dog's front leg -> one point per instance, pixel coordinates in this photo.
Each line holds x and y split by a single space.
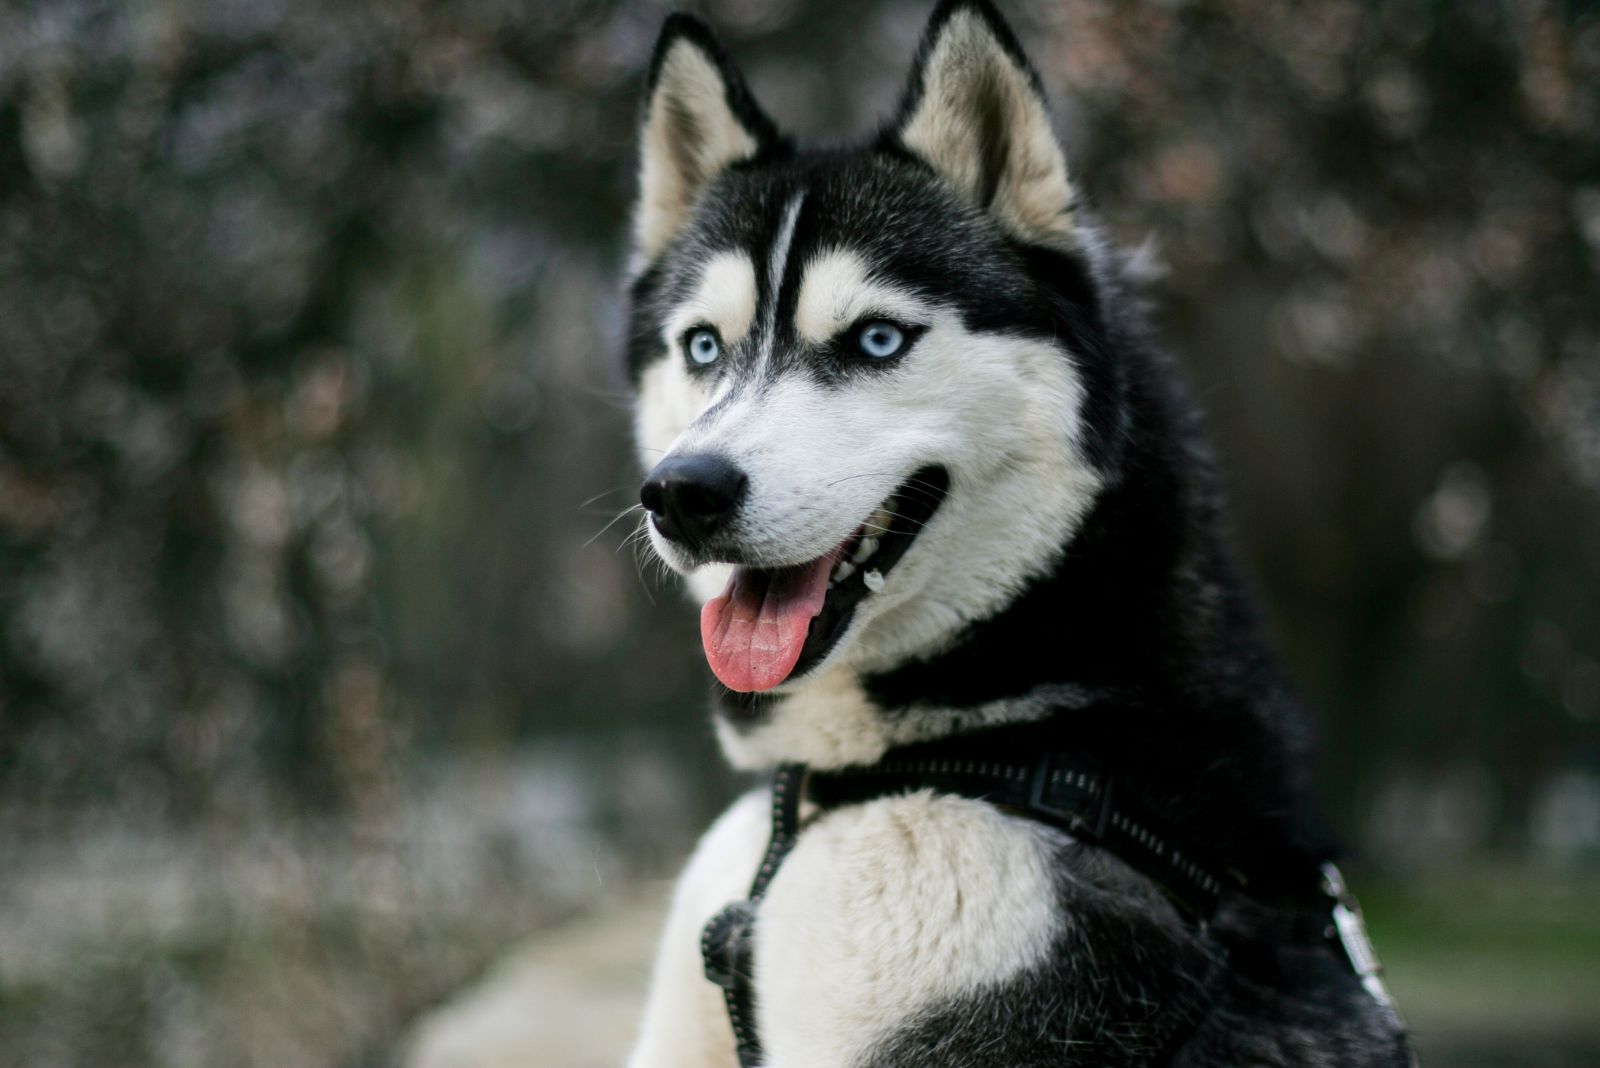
686 1021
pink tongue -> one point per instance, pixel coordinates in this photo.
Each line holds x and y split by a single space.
754 630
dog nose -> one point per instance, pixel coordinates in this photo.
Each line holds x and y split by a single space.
691 497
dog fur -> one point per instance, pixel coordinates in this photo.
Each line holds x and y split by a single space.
1072 572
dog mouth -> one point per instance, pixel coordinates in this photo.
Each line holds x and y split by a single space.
772 624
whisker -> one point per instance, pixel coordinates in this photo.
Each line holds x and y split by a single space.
918 523
638 570
905 487
615 519
638 536
602 493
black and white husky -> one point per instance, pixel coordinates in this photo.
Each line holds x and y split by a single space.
940 494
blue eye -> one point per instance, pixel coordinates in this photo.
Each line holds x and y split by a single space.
702 346
879 340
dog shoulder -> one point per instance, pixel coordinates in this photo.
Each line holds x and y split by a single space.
685 1022
888 908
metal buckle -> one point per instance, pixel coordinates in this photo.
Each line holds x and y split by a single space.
1075 820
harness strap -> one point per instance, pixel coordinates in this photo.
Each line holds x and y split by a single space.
1067 790
1072 791
727 944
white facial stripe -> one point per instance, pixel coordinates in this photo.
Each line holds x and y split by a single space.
725 298
838 289
726 295
777 261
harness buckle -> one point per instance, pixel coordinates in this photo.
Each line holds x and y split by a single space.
1091 785
1102 818
723 941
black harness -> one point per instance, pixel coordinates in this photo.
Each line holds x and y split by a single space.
1072 791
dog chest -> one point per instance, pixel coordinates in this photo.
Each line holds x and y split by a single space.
892 907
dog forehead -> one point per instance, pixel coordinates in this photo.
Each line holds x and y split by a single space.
886 208
742 210
801 247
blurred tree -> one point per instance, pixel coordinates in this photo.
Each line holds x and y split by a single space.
308 411
312 423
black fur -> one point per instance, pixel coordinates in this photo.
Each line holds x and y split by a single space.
1144 614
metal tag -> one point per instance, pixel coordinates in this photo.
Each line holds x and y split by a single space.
1351 930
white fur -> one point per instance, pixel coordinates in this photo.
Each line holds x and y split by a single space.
706 582
881 910
686 1021
670 398
777 263
676 398
891 907
828 722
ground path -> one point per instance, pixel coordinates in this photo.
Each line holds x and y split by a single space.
569 998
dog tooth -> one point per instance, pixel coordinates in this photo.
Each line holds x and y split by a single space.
843 570
866 548
873 579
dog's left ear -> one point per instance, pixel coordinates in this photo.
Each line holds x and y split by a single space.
975 111
699 119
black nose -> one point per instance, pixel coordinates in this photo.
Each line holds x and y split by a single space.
690 497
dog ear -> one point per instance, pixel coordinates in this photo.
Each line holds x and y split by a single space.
699 119
975 111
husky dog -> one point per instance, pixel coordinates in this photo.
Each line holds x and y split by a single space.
915 451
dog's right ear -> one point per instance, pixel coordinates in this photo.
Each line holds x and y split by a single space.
974 111
699 119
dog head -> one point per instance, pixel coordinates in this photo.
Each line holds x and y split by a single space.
871 393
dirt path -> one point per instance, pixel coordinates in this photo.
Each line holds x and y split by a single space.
569 998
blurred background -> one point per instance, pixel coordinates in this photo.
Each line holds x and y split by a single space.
323 679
